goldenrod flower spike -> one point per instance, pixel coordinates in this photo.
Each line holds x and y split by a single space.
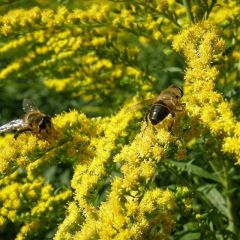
199 44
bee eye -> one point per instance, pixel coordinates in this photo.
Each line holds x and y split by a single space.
41 123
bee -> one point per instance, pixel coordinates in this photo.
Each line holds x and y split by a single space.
33 121
168 102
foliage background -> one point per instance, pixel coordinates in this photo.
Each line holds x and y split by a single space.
102 174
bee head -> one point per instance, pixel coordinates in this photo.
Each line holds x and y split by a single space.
45 123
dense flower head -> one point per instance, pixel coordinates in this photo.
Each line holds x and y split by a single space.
199 44
20 197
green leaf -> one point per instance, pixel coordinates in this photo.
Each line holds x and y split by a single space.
173 69
194 170
214 197
192 236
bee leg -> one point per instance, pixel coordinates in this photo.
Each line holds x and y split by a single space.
21 131
16 135
173 122
180 107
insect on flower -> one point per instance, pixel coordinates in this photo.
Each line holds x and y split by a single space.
168 102
33 121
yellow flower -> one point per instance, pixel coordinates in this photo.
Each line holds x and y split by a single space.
157 35
198 216
133 72
2 221
103 63
98 41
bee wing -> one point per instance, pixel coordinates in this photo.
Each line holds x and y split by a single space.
163 97
11 126
29 106
140 105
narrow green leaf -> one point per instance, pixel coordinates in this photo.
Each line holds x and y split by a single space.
194 170
214 197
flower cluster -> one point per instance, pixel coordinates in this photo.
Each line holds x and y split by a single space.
31 204
129 210
74 44
199 44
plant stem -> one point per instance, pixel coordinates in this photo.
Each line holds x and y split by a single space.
210 8
187 5
231 204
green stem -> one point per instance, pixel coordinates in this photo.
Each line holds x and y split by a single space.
187 5
210 8
231 204
225 177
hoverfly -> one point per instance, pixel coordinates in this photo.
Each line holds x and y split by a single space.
33 121
167 102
